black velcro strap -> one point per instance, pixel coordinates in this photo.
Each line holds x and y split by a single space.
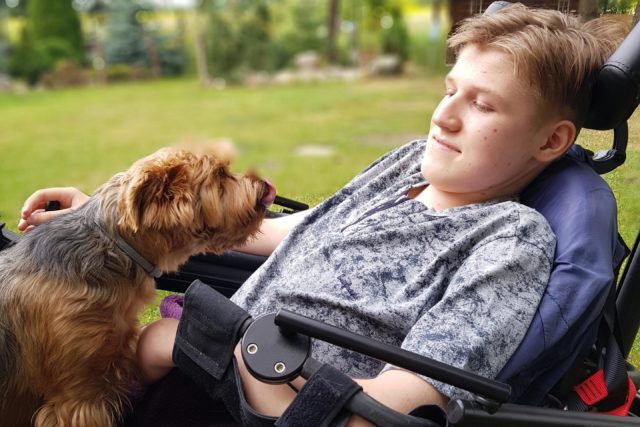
209 329
320 400
616 377
614 370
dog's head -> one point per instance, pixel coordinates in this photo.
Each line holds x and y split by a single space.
186 195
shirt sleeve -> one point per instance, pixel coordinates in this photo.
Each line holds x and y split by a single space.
485 310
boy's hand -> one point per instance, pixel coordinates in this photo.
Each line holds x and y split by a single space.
33 213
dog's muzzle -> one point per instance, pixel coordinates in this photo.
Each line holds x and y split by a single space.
268 194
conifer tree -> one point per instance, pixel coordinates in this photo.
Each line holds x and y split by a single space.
239 37
55 25
125 43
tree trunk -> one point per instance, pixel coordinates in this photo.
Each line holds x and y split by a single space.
636 14
201 53
588 9
154 56
333 18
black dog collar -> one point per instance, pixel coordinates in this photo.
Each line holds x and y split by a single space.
135 256
151 269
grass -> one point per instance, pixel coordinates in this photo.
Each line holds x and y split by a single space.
81 137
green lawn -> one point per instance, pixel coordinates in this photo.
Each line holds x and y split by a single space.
81 137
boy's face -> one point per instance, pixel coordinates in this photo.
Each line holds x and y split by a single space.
483 134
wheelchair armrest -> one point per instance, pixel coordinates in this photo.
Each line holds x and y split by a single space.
226 272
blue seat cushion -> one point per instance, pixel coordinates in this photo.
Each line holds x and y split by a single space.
581 210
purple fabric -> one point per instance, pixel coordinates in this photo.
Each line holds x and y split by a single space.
171 306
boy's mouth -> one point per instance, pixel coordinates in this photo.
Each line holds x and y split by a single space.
442 144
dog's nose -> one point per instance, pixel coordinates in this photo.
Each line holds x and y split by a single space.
268 195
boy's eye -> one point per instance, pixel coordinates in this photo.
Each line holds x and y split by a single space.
483 108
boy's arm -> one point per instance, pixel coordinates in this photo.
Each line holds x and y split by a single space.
398 389
272 232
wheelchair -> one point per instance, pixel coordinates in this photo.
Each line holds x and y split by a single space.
584 327
569 370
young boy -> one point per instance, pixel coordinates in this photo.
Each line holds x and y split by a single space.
428 248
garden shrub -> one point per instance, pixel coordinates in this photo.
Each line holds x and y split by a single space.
65 73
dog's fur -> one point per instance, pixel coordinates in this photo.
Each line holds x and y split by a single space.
69 297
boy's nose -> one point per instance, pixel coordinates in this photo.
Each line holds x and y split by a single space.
446 116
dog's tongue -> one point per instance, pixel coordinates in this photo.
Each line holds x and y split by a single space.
269 194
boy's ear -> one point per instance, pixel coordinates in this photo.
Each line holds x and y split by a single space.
559 138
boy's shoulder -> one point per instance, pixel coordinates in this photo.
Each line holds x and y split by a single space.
521 222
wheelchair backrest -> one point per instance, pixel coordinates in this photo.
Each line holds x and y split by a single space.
581 210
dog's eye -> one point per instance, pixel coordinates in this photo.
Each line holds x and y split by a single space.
221 172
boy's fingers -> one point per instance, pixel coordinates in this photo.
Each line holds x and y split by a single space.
22 225
38 217
39 199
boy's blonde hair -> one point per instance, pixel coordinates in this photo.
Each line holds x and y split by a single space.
557 54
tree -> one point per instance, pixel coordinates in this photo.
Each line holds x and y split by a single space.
55 26
4 40
333 25
239 37
200 50
222 49
52 33
588 8
395 39
636 14
28 60
125 43
616 6
307 20
255 37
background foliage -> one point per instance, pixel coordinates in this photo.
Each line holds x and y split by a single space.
143 39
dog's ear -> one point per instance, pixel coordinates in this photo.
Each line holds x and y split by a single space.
158 196
211 191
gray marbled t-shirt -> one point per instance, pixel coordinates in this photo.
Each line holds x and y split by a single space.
460 286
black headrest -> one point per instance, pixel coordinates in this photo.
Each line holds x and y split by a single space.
616 92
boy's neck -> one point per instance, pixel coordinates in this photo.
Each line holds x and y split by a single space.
435 198
438 200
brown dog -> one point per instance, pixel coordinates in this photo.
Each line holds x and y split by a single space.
71 289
